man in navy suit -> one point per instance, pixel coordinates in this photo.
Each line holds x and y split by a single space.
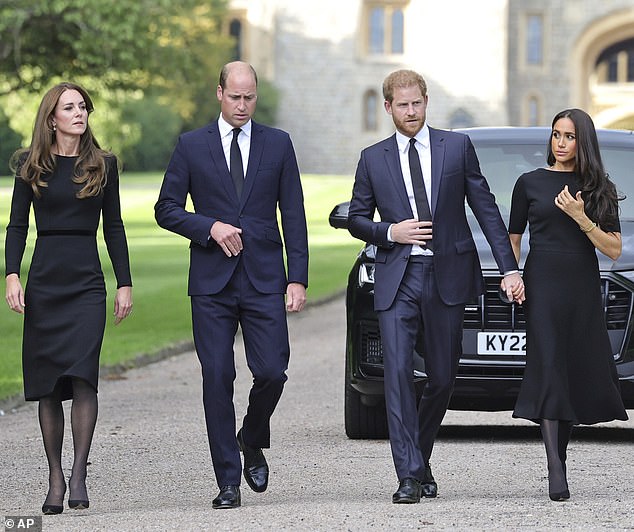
427 266
238 174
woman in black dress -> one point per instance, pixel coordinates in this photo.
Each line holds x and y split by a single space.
71 183
572 209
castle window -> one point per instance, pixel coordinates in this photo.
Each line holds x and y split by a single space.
616 63
370 110
385 26
534 40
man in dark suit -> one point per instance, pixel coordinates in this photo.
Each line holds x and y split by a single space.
238 174
427 266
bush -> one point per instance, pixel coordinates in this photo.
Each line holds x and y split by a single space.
158 126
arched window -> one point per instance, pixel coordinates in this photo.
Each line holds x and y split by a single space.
616 63
533 111
370 110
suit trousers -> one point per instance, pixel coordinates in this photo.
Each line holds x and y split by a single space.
413 428
262 318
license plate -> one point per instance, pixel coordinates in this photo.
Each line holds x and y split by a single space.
501 343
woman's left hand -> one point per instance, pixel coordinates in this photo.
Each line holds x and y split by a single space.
122 304
573 206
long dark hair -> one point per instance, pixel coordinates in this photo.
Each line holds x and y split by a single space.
598 191
34 162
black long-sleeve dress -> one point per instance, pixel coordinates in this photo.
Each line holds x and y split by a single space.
570 372
65 295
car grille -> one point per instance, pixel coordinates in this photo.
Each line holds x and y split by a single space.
489 313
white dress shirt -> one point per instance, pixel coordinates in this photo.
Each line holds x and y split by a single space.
424 154
244 141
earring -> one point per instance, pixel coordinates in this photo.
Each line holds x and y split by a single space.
54 127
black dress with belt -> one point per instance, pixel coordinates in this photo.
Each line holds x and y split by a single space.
570 372
65 295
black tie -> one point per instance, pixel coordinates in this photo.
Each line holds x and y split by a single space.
420 196
235 162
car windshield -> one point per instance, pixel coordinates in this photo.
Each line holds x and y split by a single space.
502 164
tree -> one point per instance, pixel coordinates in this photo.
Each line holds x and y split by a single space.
127 44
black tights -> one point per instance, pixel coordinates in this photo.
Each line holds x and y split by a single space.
83 418
556 435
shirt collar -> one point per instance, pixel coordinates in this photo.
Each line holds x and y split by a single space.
422 136
227 129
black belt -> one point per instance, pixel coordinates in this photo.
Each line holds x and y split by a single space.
67 232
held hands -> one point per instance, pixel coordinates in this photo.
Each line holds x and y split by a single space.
122 304
572 206
412 232
227 237
15 293
295 297
514 287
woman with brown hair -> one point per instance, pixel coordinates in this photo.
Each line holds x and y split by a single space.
71 182
571 208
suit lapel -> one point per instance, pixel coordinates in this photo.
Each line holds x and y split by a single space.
393 162
437 146
219 160
255 154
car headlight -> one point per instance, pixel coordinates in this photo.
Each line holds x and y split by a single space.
366 273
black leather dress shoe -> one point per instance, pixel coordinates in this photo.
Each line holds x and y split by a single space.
409 492
430 488
229 497
256 470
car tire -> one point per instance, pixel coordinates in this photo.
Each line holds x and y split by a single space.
363 422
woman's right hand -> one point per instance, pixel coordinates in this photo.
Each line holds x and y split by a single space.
15 293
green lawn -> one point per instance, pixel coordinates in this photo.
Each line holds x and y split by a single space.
159 269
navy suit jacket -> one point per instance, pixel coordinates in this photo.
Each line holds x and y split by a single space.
455 176
198 167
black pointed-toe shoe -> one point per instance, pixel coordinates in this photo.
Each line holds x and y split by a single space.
229 497
256 470
52 509
559 495
430 488
78 504
409 492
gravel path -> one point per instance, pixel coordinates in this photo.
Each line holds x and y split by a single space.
150 466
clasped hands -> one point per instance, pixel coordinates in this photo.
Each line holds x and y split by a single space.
513 285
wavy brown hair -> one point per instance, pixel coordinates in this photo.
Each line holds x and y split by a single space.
597 190
32 163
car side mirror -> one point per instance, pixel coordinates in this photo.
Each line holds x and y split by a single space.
339 216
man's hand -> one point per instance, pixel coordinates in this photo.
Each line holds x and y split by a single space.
295 297
412 232
227 237
513 285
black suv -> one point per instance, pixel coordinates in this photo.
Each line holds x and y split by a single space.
493 343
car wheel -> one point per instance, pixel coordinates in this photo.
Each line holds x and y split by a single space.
363 421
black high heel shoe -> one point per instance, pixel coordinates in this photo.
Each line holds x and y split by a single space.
78 505
52 509
559 495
